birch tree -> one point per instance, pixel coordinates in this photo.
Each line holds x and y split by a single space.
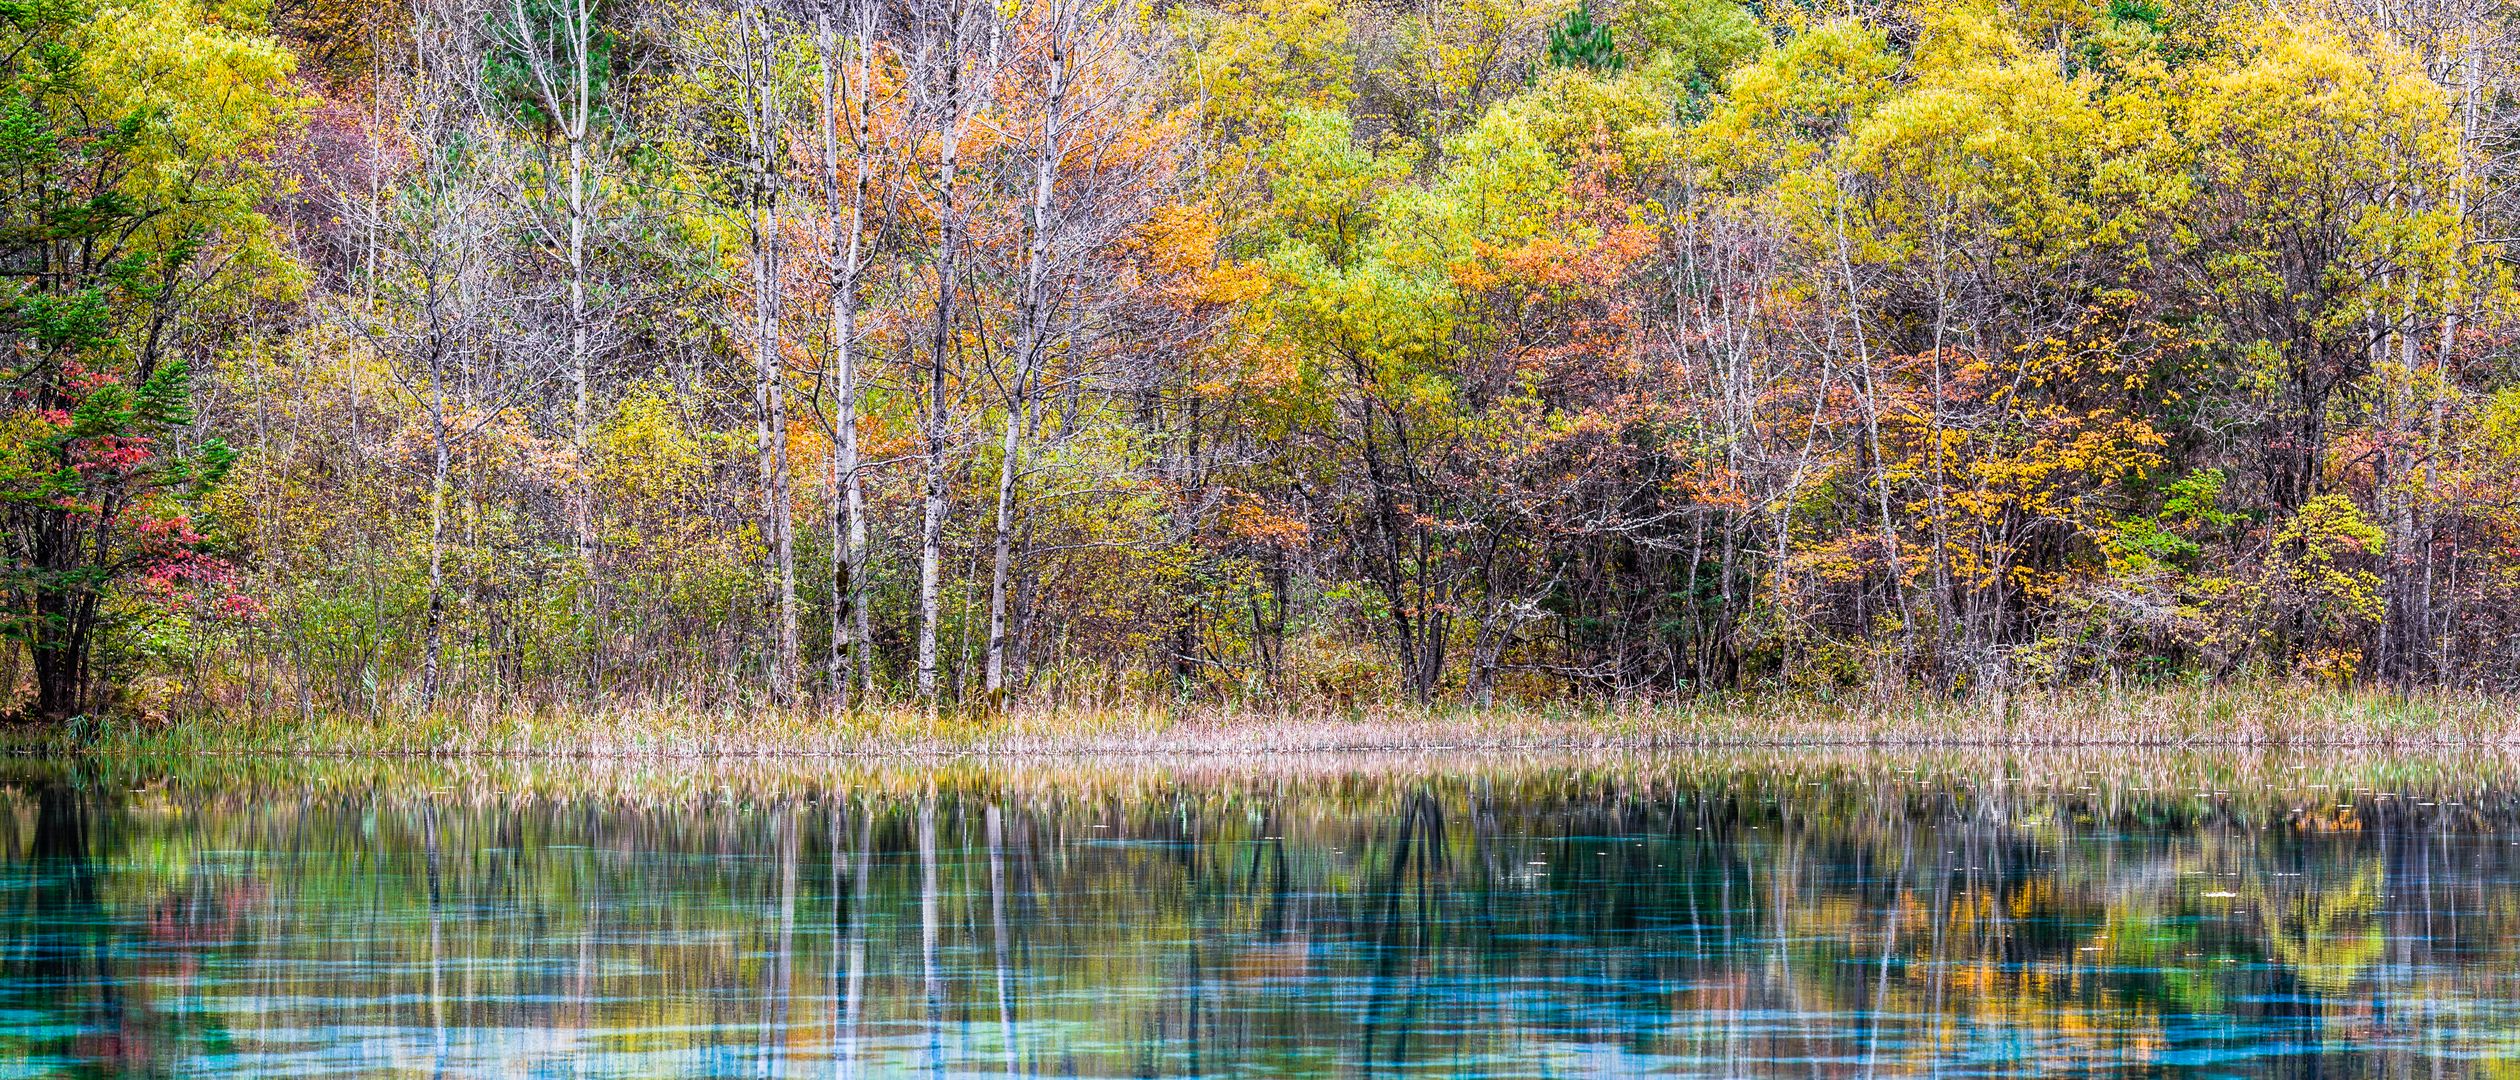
846 66
760 100
943 29
554 56
1034 311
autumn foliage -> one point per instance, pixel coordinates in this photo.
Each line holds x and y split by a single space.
1263 351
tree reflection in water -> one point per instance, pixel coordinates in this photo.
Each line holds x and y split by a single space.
1821 916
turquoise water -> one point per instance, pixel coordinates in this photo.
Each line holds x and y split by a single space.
1707 916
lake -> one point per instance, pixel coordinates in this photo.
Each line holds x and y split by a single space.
1823 914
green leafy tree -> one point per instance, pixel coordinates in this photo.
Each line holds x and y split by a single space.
127 188
1702 39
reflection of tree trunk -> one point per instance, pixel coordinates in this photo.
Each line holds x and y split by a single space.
927 936
61 846
65 874
71 945
997 924
1942 920
1780 884
437 933
1881 984
774 1034
582 982
1418 849
1273 917
852 904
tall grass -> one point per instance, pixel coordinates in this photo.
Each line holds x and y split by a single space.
2262 715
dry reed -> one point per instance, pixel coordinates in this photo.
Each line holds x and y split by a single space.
2266 715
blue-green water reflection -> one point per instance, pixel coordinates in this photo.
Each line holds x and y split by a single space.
1843 916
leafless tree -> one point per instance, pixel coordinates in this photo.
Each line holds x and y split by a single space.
943 31
846 67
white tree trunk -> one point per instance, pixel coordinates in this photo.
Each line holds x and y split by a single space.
846 221
1036 314
769 369
441 474
940 344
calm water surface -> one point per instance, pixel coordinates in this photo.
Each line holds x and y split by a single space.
1823 916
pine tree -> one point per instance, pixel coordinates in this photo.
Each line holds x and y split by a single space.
1577 41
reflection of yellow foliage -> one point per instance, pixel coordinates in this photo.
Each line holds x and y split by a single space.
2325 936
2038 895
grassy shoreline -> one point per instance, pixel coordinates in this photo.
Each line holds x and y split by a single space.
2245 716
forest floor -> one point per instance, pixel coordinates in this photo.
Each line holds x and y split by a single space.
2252 715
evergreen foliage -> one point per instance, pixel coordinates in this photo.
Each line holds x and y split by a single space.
1577 41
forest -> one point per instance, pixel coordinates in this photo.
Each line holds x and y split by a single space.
833 354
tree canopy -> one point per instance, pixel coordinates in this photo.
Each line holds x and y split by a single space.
1260 351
